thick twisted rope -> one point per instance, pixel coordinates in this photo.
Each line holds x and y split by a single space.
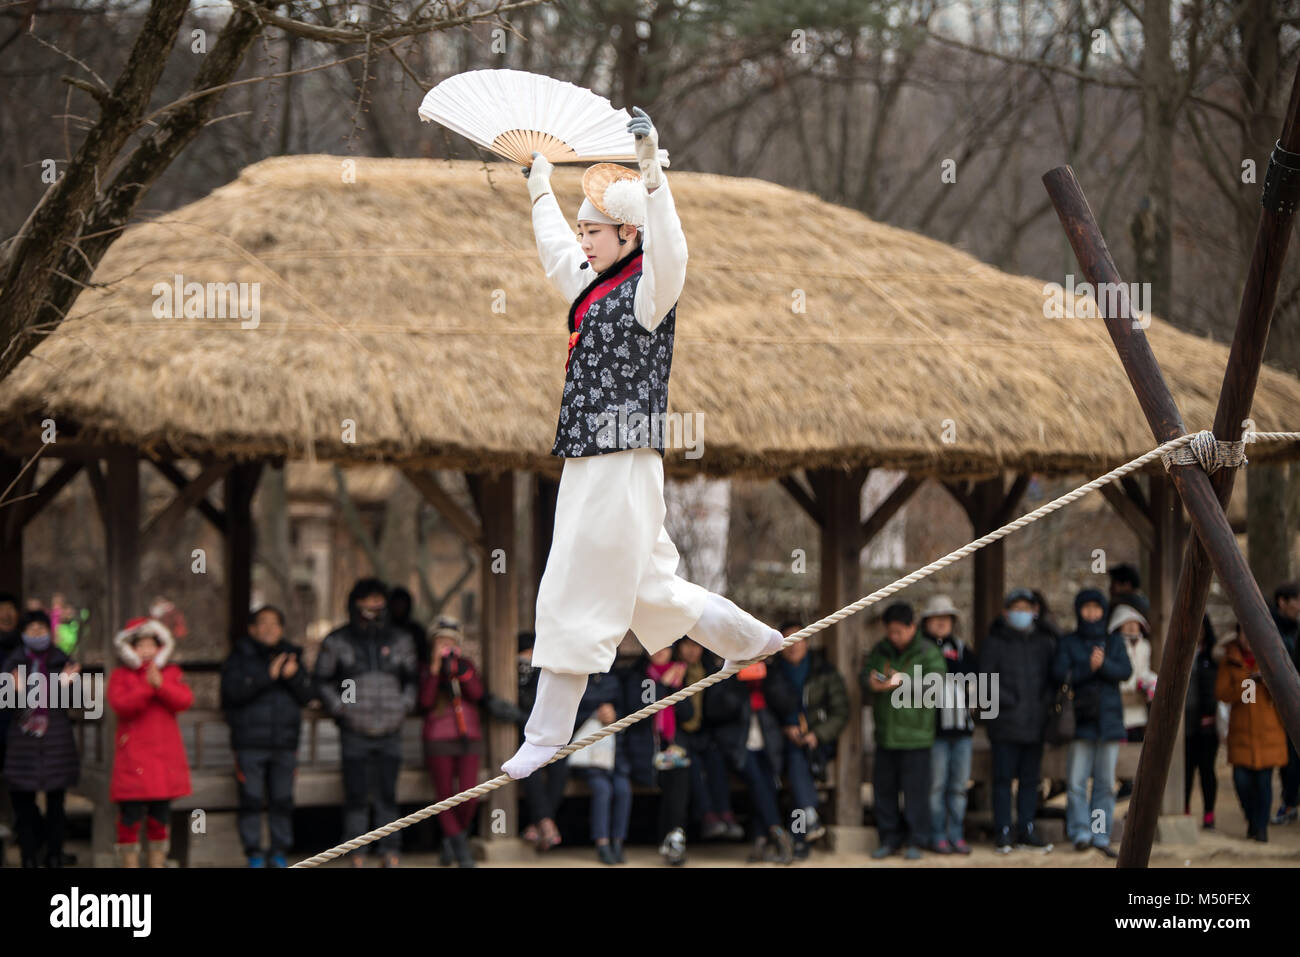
1208 452
955 556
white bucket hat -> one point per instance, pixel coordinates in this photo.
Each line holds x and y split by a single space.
940 605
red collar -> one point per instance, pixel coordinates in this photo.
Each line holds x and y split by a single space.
631 268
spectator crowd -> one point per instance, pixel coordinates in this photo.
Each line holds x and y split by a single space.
746 760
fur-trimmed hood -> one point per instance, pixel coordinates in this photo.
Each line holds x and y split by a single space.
1126 613
144 626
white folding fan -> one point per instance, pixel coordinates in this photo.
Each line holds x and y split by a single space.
513 113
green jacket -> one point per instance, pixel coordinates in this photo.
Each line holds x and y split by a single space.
903 727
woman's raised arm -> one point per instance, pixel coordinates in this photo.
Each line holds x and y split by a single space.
559 249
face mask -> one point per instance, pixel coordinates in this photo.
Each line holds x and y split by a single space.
39 643
1020 620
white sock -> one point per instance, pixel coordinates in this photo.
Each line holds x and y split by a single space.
732 633
550 725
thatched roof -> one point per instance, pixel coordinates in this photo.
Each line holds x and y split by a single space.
411 303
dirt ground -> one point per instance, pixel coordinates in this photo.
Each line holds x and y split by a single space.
1226 846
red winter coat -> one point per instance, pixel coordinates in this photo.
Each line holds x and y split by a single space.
149 760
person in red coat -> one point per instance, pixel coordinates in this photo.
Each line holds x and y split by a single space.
149 766
450 691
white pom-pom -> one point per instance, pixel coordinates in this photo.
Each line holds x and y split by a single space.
624 200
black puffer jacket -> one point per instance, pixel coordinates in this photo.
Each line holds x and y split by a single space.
640 737
727 712
10 641
1022 661
1202 702
47 763
263 712
1289 630
379 662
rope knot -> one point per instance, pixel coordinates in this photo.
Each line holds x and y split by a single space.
1207 452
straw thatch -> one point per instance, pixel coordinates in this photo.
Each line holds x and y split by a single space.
410 303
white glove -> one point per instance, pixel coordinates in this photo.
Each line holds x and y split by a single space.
647 148
538 176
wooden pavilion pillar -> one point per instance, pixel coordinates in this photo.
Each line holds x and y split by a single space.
833 500
989 505
1169 536
839 495
1166 556
1157 521
11 526
990 562
545 492
118 497
494 494
239 485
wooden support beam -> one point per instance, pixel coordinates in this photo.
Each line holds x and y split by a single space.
890 506
1011 501
1133 489
98 488
501 570
181 481
468 527
960 492
194 491
806 499
32 507
1138 520
1214 545
839 496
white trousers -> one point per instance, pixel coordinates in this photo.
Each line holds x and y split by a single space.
612 566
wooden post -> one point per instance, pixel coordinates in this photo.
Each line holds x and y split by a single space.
545 492
1214 545
988 505
11 528
495 495
239 485
121 518
1169 534
1254 317
990 561
839 501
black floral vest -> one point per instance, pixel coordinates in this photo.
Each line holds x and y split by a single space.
616 387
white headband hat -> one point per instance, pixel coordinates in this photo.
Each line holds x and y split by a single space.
614 195
588 212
